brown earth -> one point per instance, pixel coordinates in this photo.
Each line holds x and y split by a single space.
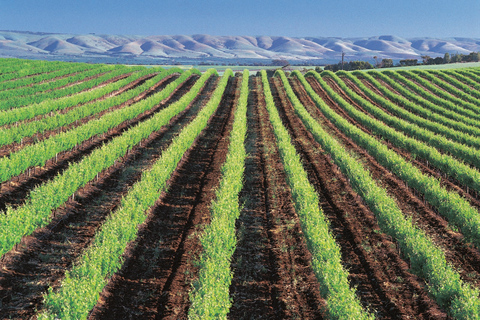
458 251
14 191
272 276
448 182
40 136
381 276
41 262
160 266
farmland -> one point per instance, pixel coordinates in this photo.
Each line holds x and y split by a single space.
163 193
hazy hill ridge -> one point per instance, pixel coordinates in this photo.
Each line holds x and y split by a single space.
31 44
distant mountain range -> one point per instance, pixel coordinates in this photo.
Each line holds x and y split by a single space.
206 48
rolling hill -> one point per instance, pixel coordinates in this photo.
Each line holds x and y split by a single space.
181 48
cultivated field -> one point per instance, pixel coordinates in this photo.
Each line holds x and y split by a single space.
151 193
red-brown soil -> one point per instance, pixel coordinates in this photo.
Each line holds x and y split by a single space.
272 276
449 182
459 253
382 278
47 81
111 94
44 257
13 192
159 267
14 147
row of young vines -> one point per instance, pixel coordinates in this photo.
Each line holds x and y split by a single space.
436 121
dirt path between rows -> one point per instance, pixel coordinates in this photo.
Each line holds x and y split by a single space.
40 136
159 267
14 191
448 182
381 276
462 255
51 250
272 276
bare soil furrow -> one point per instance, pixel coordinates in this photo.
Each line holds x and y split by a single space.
273 278
403 294
52 250
40 136
13 192
464 256
449 182
160 265
461 254
108 95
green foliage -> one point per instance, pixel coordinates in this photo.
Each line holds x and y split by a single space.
442 102
82 285
450 204
39 153
427 150
36 212
109 73
387 63
452 86
446 58
210 298
427 261
408 62
49 105
349 66
28 129
19 68
326 257
36 80
433 121
466 83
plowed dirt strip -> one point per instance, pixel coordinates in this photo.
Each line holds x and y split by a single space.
26 274
325 177
401 290
13 192
448 182
14 147
272 275
159 267
77 83
127 87
463 256
48 80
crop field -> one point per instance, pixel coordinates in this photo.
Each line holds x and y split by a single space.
163 193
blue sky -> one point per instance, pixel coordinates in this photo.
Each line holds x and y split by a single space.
334 18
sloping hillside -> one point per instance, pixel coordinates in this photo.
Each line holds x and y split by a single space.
202 47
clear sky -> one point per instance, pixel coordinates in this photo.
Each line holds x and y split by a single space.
333 18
